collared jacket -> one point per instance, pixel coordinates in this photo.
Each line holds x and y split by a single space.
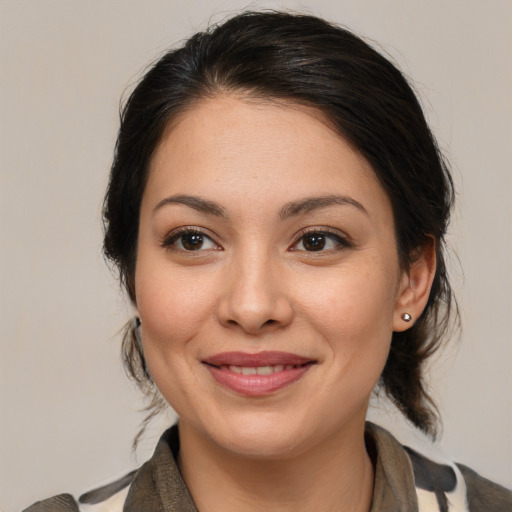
405 481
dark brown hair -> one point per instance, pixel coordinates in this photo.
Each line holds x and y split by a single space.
302 59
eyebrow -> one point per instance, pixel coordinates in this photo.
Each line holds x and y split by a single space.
290 209
197 203
310 204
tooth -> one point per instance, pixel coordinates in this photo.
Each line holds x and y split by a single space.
260 370
265 370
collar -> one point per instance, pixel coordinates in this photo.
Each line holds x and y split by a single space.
159 487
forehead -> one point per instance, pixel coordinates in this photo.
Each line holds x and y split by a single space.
258 148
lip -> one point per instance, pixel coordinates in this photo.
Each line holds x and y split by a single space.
257 385
265 358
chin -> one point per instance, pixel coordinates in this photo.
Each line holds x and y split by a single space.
264 438
263 447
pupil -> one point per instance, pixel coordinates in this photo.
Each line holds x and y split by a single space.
192 241
314 242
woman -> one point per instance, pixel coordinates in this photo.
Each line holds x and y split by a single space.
277 209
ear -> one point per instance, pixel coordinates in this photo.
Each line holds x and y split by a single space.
415 285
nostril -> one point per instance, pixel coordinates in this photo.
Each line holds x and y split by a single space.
268 323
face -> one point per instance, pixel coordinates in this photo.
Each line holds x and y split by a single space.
267 277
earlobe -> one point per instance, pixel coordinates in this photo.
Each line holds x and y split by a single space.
415 286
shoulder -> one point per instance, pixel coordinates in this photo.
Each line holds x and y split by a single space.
484 495
136 491
60 503
107 498
442 478
439 484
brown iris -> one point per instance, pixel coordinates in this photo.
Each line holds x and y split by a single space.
314 242
192 241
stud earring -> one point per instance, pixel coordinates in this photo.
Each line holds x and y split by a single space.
406 317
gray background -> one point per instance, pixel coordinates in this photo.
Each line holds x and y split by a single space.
68 412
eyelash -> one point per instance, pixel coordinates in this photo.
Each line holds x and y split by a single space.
173 237
341 242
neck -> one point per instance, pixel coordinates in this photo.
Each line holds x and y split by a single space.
334 477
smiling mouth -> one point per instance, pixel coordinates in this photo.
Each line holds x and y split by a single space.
258 374
260 370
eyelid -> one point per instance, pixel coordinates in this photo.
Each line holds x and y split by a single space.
170 238
342 238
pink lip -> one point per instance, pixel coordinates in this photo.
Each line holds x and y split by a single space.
257 385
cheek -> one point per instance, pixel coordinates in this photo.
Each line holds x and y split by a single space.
353 311
172 309
351 297
172 306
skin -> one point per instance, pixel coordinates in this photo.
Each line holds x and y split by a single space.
254 286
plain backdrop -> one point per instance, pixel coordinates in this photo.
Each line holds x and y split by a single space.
68 413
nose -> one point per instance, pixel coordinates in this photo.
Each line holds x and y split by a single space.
254 299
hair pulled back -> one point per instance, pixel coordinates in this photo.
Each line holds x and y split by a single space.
301 59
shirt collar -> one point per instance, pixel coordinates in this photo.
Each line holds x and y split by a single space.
159 487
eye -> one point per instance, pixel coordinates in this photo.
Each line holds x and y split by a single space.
190 240
316 241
